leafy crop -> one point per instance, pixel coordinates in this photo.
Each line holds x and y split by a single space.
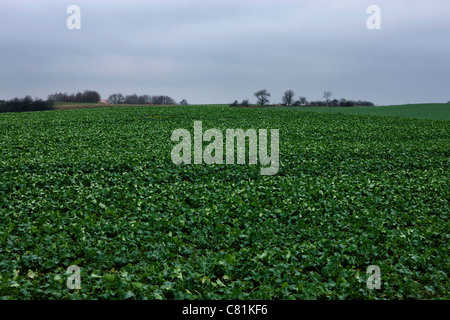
96 188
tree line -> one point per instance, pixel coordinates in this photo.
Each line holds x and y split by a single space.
88 96
29 104
118 98
25 104
288 99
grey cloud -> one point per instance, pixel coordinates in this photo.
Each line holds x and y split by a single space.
218 51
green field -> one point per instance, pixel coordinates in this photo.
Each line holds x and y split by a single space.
439 111
97 188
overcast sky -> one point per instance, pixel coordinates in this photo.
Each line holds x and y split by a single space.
218 51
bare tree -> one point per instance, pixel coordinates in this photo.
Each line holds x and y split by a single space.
113 98
116 98
303 101
132 99
58 97
142 99
327 96
162 100
183 102
262 96
288 97
90 96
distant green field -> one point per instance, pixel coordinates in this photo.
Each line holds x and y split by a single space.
438 111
